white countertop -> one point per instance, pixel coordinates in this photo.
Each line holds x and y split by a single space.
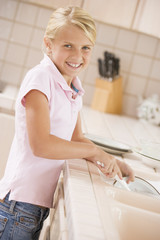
123 129
97 210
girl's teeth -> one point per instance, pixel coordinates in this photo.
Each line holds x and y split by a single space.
74 65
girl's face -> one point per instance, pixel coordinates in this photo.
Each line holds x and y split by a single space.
71 51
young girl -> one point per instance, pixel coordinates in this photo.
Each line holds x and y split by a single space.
48 127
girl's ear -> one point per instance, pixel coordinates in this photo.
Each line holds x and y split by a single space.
47 42
48 45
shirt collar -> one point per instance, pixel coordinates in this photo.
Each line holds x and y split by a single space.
76 83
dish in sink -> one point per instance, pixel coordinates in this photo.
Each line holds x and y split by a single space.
139 185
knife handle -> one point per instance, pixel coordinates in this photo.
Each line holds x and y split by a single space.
100 67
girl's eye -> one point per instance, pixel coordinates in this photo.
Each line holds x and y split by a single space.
86 48
67 46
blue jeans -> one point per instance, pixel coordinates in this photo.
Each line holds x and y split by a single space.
21 221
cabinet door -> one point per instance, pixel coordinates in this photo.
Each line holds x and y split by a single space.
57 3
117 12
147 18
58 226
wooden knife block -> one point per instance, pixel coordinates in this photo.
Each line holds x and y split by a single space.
108 96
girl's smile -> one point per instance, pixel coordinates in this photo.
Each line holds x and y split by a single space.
71 51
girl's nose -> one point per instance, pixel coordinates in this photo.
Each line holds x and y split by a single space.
77 53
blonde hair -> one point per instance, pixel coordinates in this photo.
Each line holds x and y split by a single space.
71 15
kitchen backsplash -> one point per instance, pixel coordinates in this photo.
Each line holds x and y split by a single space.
22 26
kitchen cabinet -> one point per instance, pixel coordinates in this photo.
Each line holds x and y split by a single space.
58 228
57 3
139 15
120 13
55 227
147 18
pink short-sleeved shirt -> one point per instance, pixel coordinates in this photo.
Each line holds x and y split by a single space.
29 178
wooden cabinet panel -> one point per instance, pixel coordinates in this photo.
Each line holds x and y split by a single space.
147 19
139 15
57 3
120 13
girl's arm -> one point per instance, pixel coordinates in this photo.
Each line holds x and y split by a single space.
42 143
45 145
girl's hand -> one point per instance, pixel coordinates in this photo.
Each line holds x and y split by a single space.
126 171
106 163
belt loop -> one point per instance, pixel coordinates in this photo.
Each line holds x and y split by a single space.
12 206
42 214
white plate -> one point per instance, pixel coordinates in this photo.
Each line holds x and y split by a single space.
108 143
140 185
113 151
148 158
148 154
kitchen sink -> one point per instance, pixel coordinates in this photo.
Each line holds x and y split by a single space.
134 223
133 199
128 214
135 216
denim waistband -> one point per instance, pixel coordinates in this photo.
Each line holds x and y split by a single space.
13 206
